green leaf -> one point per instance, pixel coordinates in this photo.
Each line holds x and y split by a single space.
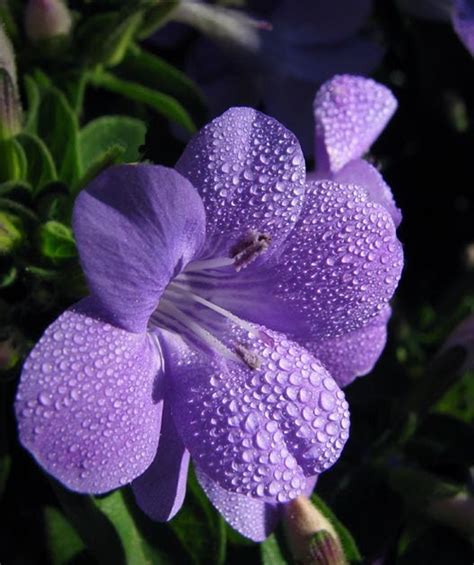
7 278
348 543
56 241
100 135
208 542
62 539
105 38
156 73
58 127
162 103
111 156
271 553
41 168
33 99
13 163
156 17
108 529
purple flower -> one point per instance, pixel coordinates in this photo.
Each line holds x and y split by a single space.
459 12
208 285
350 112
279 68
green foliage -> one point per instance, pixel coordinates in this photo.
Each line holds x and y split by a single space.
58 127
56 241
64 544
41 169
271 553
161 103
100 136
349 545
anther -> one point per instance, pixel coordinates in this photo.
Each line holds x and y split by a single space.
249 248
250 358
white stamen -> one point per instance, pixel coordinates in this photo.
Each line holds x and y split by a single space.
181 291
169 310
216 263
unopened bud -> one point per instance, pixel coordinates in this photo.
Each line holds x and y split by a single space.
11 233
7 56
311 536
10 107
47 19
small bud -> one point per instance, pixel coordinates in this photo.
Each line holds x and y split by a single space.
10 107
46 19
11 232
7 56
311 536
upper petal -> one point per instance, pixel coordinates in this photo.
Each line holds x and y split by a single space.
87 405
350 112
161 489
363 174
321 22
136 226
252 518
463 22
258 431
249 171
354 354
342 262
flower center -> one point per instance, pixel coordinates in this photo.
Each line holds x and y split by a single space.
188 308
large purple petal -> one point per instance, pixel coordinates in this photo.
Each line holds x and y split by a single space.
260 427
136 227
161 489
350 113
252 518
319 22
249 171
363 174
342 262
355 354
87 405
463 22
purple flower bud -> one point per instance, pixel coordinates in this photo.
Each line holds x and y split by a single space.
45 19
311 536
7 56
10 107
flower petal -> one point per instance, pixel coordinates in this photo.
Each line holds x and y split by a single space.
136 226
322 22
261 427
249 171
350 113
342 262
363 174
354 354
161 489
86 405
252 518
463 22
